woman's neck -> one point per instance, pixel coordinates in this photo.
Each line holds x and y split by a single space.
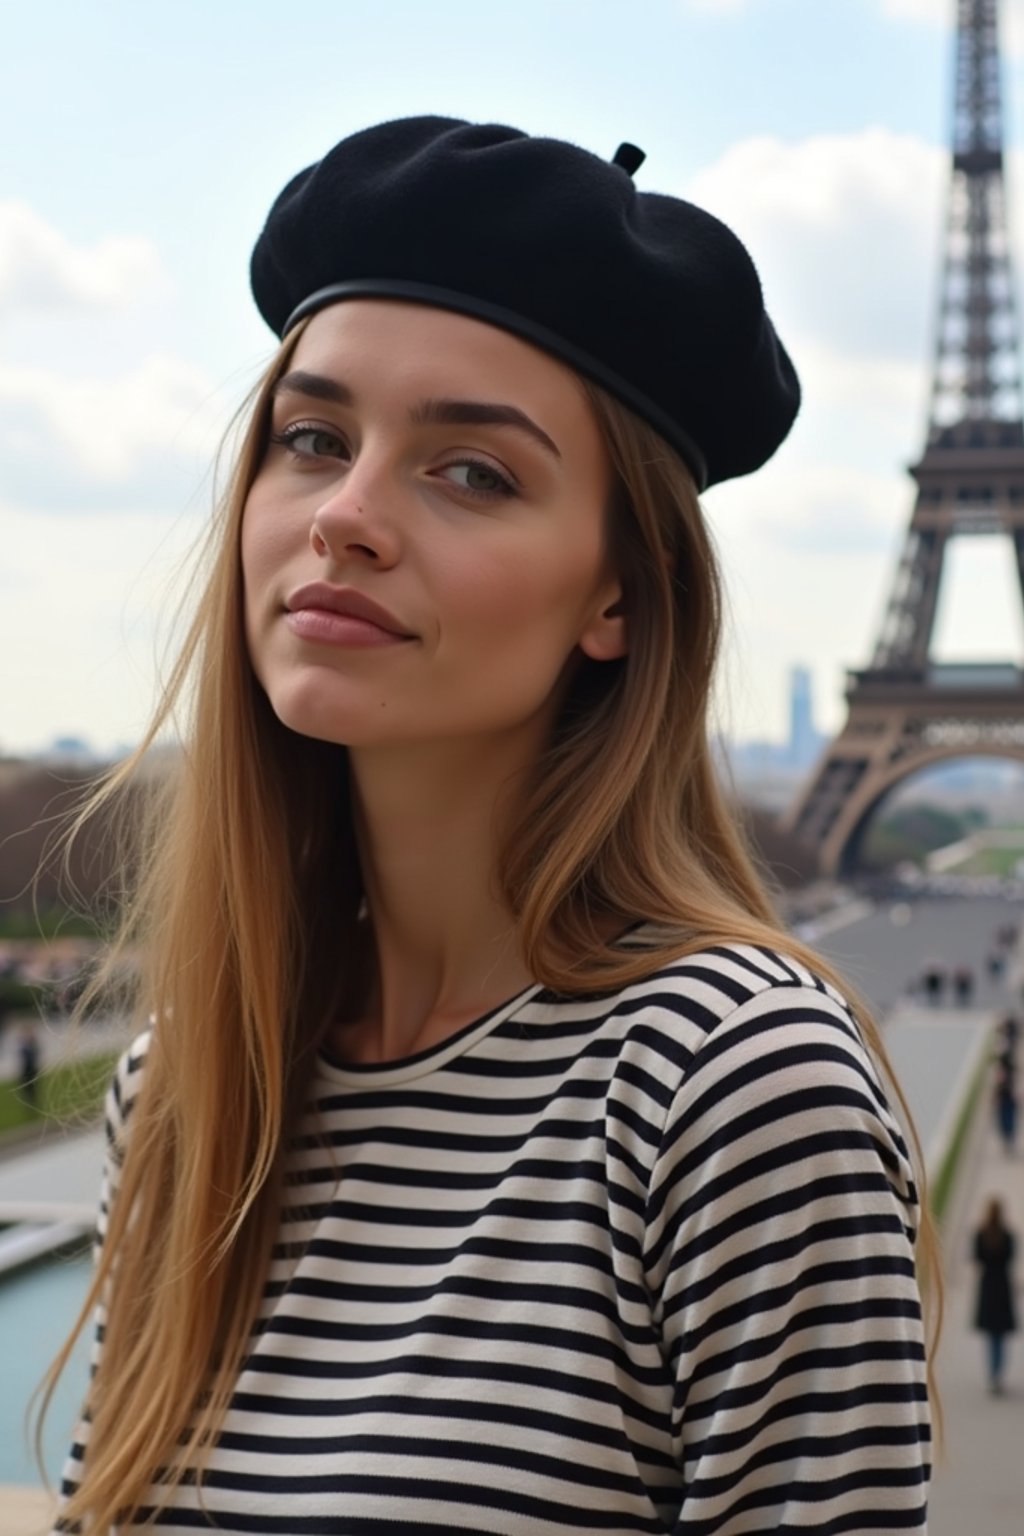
429 824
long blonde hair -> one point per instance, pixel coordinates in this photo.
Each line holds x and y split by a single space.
245 910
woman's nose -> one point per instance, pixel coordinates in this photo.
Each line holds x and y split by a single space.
355 520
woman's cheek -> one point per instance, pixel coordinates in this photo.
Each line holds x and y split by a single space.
506 585
264 545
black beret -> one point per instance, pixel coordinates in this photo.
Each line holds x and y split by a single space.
647 295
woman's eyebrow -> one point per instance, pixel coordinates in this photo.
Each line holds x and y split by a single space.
316 386
464 413
480 413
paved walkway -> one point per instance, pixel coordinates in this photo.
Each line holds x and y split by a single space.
935 1054
881 951
24 1512
57 1181
979 1490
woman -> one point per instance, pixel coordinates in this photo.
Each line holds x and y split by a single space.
994 1312
495 1162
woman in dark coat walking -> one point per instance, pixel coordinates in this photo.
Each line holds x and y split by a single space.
994 1313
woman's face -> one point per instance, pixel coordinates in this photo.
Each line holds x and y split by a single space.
452 475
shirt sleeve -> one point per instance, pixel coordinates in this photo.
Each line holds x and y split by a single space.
117 1105
780 1256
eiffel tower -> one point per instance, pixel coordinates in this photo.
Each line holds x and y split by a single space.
904 711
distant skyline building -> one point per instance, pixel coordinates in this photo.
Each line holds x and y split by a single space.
75 751
804 740
772 771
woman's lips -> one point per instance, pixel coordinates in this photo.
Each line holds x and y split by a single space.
342 616
329 628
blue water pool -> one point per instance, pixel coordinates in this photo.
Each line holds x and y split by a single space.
37 1307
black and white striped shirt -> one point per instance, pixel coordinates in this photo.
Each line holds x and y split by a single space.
633 1264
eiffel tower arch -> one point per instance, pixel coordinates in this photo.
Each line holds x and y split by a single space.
905 712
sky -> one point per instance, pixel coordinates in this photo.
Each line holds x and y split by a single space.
143 145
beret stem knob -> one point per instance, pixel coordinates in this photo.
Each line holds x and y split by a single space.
629 157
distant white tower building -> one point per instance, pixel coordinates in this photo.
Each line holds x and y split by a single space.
804 741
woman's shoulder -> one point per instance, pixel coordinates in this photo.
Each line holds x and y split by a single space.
727 976
739 1002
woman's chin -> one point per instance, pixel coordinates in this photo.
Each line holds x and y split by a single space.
330 715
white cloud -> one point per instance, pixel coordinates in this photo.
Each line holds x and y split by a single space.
800 505
848 232
109 426
810 546
810 550
89 608
845 230
979 611
41 268
860 414
867 384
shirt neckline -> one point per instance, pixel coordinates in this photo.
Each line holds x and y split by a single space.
376 1073
386 1073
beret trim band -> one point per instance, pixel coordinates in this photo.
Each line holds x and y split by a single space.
530 330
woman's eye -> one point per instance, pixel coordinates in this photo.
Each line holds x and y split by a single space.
310 442
481 479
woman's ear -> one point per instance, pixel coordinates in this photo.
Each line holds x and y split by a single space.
604 638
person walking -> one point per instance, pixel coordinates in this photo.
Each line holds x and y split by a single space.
493 1160
933 979
1004 1103
995 1312
29 1060
1009 1030
963 985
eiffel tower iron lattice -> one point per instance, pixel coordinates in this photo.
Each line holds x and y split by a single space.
904 712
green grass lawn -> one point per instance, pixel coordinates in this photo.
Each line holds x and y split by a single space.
992 861
71 1092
